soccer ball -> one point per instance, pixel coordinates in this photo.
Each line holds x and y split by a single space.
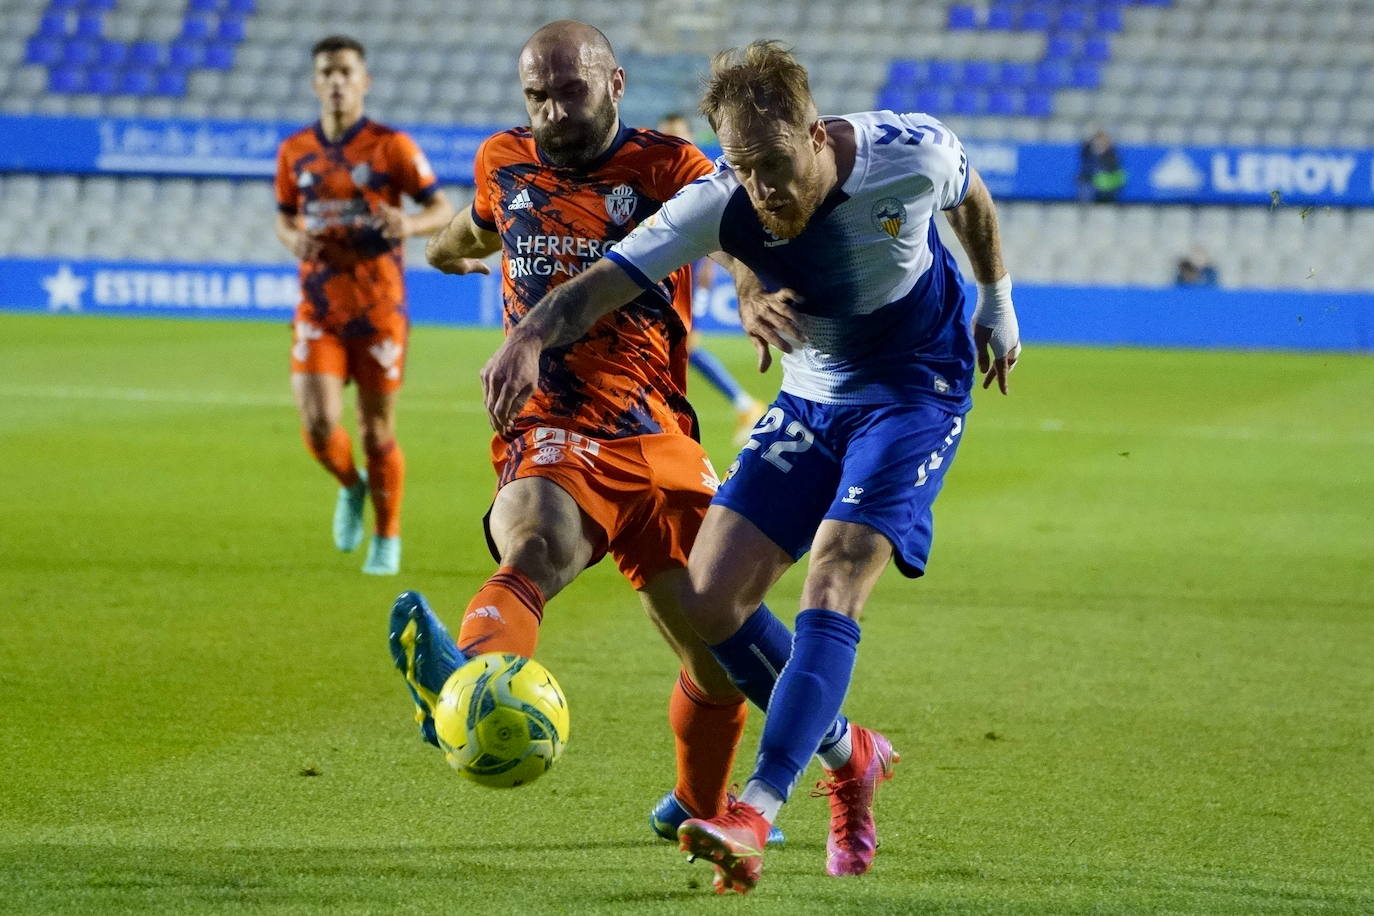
502 721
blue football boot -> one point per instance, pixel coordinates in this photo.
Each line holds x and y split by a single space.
669 814
424 653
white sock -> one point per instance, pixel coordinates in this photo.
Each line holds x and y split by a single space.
764 797
838 754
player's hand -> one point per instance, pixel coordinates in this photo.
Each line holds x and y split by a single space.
307 245
509 378
458 265
994 367
770 319
393 222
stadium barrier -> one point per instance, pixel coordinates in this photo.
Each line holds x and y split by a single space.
1031 171
1048 314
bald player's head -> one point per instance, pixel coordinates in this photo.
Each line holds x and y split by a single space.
572 86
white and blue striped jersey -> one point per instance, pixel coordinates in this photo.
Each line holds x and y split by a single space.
882 306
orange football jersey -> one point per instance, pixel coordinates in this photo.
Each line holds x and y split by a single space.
627 376
335 188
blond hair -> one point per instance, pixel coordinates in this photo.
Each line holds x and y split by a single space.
760 82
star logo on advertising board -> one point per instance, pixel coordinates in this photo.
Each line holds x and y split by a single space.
65 289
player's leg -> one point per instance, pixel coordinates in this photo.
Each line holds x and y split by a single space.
319 402
543 540
386 468
376 362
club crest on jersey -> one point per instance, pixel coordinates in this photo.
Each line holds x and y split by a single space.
361 174
305 179
620 204
888 215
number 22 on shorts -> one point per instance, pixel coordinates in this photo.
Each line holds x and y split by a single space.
801 440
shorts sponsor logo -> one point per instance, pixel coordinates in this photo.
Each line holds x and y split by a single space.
305 332
388 356
941 385
549 454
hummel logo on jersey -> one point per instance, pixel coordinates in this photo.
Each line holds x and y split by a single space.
521 202
854 494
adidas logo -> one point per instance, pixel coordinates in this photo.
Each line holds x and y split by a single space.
521 202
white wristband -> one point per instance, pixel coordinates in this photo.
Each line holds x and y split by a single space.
994 311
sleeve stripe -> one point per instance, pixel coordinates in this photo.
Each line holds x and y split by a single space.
968 170
635 273
483 223
423 195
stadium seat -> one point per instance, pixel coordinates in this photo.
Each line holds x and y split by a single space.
962 17
102 80
171 81
67 79
196 27
137 81
41 49
80 52
145 54
53 25
186 54
1034 19
1001 16
219 55
231 29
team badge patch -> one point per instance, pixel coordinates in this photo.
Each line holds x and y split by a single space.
620 204
361 174
888 215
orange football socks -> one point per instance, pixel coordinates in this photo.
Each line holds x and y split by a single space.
386 481
336 455
707 734
503 616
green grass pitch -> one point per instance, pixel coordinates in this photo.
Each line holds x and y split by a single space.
1139 677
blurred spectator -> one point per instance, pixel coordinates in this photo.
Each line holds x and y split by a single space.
1100 175
1196 269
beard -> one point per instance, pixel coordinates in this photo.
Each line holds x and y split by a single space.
573 144
789 222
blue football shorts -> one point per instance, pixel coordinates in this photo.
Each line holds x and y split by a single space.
880 465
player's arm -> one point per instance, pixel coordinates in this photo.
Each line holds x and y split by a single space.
434 214
994 319
304 245
461 245
768 318
566 313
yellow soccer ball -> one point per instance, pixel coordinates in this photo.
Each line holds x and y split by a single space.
502 720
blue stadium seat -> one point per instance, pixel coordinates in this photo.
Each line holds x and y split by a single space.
202 6
137 81
1001 16
1098 49
102 81
186 54
941 72
42 49
219 55
1034 19
893 98
1052 74
231 29
1086 75
113 53
59 6
52 25
171 82
243 7
80 52
967 102
978 73
1015 74
195 27
90 25
1061 44
103 5
1039 104
145 54
1004 103
1109 19
962 17
933 101
66 79
1071 19
903 70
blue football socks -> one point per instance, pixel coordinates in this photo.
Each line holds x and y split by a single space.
708 365
808 696
756 654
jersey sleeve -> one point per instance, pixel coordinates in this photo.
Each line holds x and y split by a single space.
684 229
939 156
288 194
482 213
414 175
